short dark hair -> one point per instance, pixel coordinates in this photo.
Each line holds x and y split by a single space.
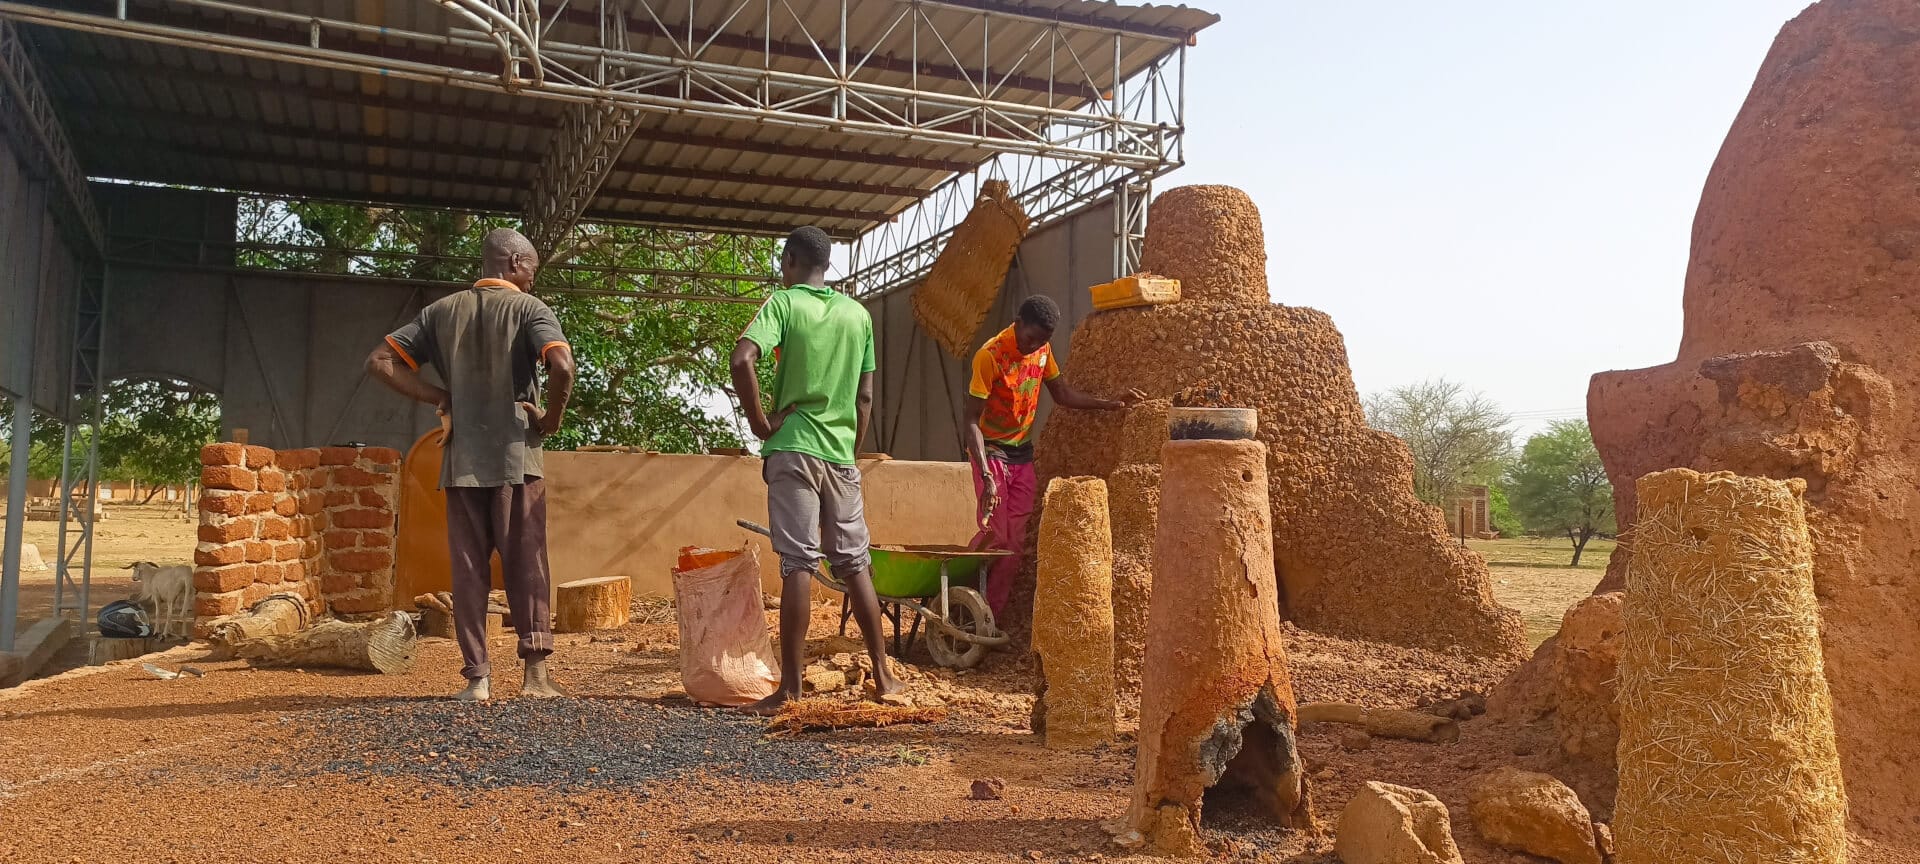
810 246
1040 311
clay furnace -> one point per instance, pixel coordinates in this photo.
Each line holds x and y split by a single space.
1358 555
1073 615
1726 730
1217 707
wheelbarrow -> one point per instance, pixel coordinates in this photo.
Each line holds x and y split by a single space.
920 579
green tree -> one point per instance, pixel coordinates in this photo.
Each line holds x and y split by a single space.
1500 510
1559 486
1457 438
652 372
43 455
152 432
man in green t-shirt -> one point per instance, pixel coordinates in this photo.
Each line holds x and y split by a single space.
822 395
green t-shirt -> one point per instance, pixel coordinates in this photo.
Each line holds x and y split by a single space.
824 341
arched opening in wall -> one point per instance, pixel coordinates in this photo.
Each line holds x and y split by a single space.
151 432
148 473
146 448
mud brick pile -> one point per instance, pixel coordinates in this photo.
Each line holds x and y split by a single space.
317 523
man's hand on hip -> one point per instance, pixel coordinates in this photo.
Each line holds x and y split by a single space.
548 422
774 423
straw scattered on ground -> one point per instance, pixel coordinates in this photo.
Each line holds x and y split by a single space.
826 715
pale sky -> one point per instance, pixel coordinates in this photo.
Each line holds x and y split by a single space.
1500 193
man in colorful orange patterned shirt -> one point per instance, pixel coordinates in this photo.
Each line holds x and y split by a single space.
1001 402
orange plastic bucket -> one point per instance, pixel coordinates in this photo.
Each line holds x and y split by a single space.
698 558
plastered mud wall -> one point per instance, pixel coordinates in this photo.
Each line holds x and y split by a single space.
628 514
1798 361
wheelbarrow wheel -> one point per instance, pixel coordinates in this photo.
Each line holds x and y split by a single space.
966 611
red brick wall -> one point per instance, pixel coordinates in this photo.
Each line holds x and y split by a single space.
316 523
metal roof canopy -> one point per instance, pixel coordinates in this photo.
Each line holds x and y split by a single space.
734 116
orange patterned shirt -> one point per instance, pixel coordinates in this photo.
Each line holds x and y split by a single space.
1010 382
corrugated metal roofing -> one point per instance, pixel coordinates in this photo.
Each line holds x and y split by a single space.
140 110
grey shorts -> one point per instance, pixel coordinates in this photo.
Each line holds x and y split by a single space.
809 498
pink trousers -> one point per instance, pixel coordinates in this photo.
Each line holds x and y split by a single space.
1008 525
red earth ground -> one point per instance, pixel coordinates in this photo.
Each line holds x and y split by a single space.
109 764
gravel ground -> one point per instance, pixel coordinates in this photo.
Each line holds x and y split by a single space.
559 744
284 766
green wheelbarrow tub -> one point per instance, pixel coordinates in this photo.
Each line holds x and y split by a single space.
910 576
914 571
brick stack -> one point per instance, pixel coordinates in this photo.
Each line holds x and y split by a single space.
315 523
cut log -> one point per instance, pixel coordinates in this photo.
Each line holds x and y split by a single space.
592 604
437 624
384 646
275 615
106 649
1384 722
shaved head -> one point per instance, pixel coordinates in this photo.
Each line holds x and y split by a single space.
508 254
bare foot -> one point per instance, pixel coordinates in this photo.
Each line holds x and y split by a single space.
537 684
889 691
478 690
766 707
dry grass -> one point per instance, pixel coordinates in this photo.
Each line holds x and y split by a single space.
1542 552
1531 577
953 301
1727 749
826 715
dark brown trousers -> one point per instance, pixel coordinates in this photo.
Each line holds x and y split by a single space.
511 520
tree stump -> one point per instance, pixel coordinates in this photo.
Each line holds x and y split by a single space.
592 604
106 649
384 646
437 624
275 615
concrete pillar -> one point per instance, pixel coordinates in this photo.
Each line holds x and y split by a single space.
16 518
24 256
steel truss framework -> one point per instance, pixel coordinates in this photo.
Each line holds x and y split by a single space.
1087 129
1081 134
80 454
691 280
899 253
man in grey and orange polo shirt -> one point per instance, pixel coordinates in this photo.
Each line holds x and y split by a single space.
486 343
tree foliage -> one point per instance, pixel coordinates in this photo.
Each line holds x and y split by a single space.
652 372
1559 486
1500 510
151 432
1457 438
43 455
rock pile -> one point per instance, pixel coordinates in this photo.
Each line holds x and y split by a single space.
1358 555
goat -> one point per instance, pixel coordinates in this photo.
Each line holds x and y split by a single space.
167 590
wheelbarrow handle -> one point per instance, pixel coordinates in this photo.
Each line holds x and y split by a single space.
818 575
